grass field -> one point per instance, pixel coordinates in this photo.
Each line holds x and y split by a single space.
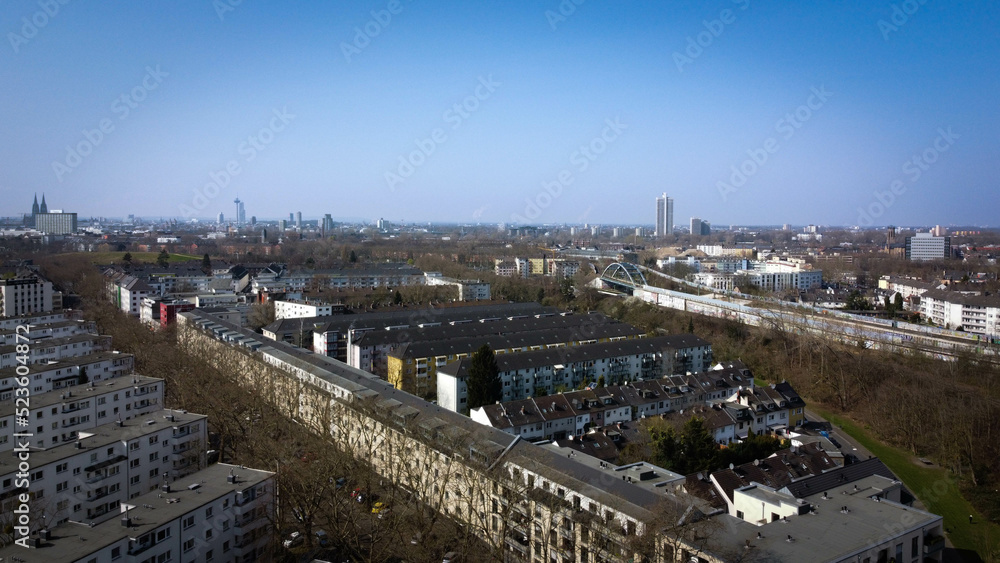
932 485
148 257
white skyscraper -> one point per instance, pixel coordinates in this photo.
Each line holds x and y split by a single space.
664 215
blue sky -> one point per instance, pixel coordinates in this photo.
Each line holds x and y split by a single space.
477 111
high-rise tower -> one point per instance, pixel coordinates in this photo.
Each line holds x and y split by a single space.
664 215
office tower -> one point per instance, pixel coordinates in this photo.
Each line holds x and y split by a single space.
926 246
222 218
695 226
253 220
291 217
282 225
298 220
664 215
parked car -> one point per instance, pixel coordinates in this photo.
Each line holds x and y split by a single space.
452 557
380 508
294 539
322 538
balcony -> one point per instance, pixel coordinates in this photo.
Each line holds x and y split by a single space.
933 544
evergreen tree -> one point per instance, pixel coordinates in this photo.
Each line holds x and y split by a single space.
163 259
127 259
898 302
206 264
484 378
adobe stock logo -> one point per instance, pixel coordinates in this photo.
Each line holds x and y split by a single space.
913 169
787 127
900 16
456 116
31 26
581 160
704 39
122 106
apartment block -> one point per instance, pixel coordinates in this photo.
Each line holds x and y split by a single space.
51 376
220 513
544 372
26 294
295 309
58 417
55 349
89 478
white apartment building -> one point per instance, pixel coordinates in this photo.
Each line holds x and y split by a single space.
54 349
24 295
56 329
290 309
11 323
976 314
504 268
60 416
219 514
126 291
45 377
467 290
88 479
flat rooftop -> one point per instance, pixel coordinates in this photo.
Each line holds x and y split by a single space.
96 439
81 392
71 541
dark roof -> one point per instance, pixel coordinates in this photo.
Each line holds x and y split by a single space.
518 340
495 326
411 317
839 476
571 354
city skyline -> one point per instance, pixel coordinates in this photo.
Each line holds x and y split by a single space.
748 113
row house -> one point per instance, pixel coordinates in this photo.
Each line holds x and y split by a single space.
726 398
45 377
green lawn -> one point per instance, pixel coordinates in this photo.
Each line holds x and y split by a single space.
932 485
150 257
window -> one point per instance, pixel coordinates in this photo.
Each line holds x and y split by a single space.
188 545
208 512
188 522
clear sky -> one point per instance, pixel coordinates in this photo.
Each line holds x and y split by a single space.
477 111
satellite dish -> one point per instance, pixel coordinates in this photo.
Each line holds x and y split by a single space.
731 466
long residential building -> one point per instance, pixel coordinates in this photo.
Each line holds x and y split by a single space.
544 372
525 502
332 336
368 349
412 366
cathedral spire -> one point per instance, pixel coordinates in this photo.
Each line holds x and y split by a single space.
34 206
44 208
